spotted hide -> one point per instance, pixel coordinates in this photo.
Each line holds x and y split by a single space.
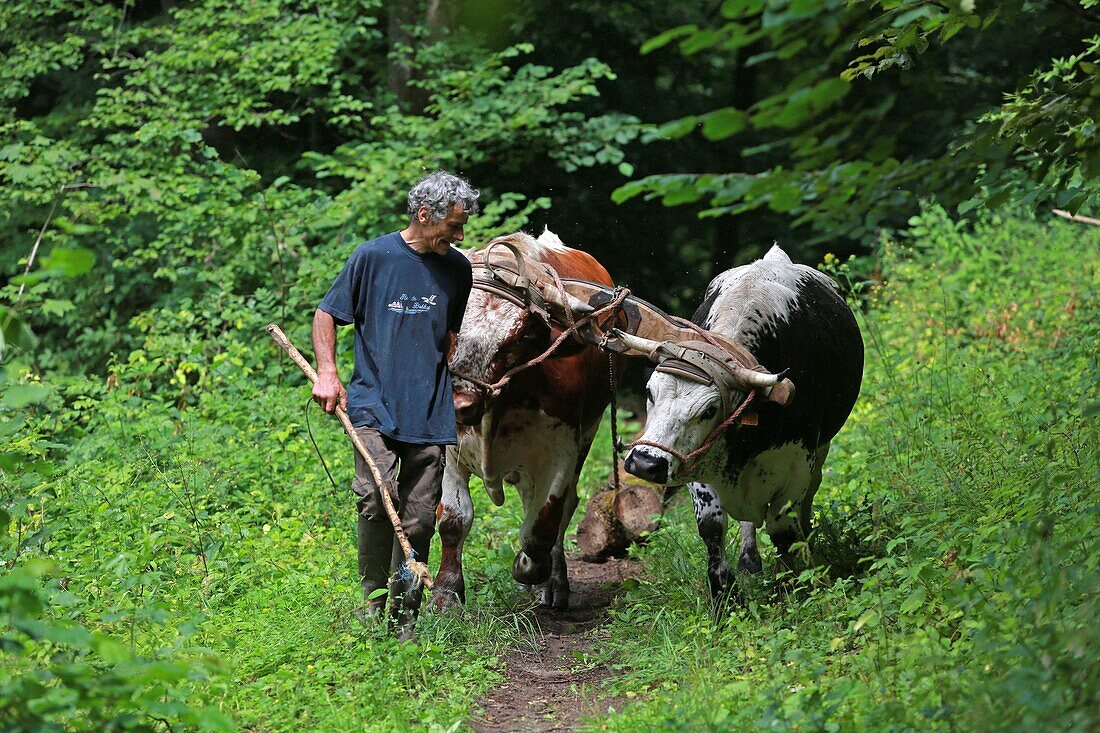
535 434
789 317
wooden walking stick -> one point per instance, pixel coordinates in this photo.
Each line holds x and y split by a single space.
417 569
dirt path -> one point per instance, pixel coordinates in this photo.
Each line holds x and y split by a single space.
553 688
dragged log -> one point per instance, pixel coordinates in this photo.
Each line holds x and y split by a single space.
638 509
600 534
613 520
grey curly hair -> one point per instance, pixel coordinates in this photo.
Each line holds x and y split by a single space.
440 191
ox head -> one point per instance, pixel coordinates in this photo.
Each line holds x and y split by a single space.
499 334
685 404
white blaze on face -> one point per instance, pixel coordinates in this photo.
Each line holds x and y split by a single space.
680 415
487 324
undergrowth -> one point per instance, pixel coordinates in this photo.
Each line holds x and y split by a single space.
174 556
957 586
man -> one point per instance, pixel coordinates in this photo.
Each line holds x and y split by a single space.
405 294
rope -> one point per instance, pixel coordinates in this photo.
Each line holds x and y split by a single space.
495 388
317 448
615 445
687 462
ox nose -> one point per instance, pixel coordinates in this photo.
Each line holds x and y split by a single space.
469 407
646 466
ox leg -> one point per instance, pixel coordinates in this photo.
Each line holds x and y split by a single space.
785 530
542 515
792 523
546 512
712 524
455 516
749 559
554 593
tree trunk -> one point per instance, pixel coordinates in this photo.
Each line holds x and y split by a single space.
435 16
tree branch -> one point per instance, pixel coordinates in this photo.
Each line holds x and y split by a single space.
1074 7
1077 218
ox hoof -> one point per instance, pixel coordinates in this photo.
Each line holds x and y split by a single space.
554 594
529 571
443 599
448 591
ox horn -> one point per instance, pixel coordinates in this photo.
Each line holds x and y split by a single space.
566 302
755 379
636 343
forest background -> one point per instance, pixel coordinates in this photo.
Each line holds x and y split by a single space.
175 175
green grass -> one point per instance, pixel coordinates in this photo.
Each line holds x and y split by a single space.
186 540
965 481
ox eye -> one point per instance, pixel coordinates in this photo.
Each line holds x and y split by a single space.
710 412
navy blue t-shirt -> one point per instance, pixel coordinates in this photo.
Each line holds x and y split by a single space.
402 304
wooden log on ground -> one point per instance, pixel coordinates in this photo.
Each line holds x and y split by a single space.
600 535
614 520
637 508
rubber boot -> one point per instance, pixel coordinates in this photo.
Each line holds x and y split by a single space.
375 546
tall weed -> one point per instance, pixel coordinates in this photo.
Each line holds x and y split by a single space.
963 492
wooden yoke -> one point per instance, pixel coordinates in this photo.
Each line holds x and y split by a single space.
641 319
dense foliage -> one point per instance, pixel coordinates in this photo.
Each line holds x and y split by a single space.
175 175
845 143
192 564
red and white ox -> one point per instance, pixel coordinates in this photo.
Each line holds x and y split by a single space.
534 434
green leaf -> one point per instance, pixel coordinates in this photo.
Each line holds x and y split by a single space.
913 602
19 396
111 650
667 37
212 719
15 332
76 636
785 199
57 306
629 190
868 619
828 92
675 128
722 123
69 261
685 194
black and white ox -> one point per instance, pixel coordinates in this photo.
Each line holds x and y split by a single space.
790 317
535 433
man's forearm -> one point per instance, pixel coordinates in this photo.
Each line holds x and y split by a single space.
324 342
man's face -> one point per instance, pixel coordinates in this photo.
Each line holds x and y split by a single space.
440 235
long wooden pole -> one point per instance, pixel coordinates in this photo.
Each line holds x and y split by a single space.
418 569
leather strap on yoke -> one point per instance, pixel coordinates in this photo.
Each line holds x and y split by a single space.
512 284
705 363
